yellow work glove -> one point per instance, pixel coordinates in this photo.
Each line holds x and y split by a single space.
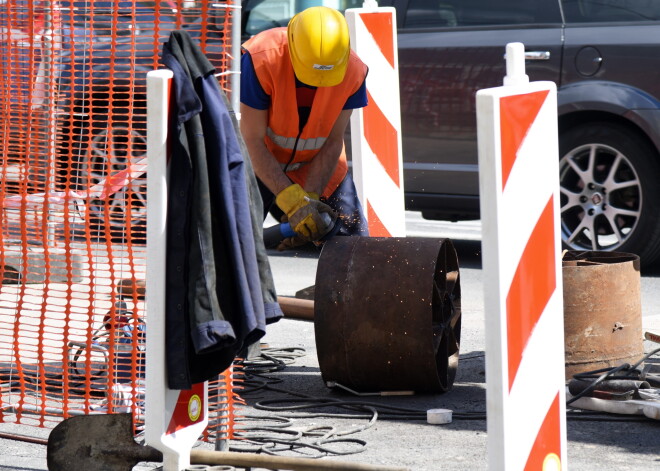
304 213
291 242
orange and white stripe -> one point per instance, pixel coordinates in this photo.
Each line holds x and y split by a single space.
521 243
376 129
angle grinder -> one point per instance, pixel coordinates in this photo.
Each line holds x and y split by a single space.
275 234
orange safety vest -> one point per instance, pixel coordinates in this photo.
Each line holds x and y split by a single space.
269 51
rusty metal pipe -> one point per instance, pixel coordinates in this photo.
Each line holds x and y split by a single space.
577 386
23 438
296 308
387 313
602 310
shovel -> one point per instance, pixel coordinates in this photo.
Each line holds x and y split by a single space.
104 442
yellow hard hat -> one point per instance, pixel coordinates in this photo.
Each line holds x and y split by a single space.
319 46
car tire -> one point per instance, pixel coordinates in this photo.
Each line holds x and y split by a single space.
609 191
113 147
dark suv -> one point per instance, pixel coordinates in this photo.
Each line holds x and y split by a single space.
604 56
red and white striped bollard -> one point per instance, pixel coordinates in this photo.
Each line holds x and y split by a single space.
521 245
376 129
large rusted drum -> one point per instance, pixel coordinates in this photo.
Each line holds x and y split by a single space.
602 310
387 313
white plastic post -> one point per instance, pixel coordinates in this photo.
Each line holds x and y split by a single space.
174 419
376 129
521 245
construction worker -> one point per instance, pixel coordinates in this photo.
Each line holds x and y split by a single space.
299 85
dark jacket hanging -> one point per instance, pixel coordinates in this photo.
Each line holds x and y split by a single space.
219 290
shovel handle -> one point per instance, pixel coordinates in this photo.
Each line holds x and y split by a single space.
280 462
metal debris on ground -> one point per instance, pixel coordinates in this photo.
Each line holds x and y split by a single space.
625 389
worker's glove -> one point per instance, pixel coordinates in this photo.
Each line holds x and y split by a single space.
292 243
308 217
328 215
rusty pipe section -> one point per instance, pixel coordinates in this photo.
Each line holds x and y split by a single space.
626 388
602 310
387 313
296 308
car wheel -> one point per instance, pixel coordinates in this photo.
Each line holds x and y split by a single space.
609 192
114 148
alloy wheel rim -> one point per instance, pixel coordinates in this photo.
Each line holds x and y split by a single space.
601 198
111 151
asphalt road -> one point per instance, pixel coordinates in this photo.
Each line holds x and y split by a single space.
400 436
602 442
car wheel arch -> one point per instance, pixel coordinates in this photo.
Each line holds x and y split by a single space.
601 95
611 102
569 120
100 116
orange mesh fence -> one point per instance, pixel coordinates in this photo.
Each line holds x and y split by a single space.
73 199
223 403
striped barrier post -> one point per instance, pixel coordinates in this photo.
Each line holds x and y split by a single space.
376 129
521 244
174 419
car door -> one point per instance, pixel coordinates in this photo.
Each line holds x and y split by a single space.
616 42
609 106
448 50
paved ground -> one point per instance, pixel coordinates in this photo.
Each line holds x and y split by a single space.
604 443
404 438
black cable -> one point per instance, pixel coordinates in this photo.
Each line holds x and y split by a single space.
312 441
602 374
606 373
355 409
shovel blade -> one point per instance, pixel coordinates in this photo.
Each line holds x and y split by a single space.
102 442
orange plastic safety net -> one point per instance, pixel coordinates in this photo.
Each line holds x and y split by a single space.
73 199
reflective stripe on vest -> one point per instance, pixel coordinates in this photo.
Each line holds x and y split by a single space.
288 142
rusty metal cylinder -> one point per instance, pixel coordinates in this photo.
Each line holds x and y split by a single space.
387 313
602 310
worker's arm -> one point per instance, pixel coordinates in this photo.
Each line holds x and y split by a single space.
324 163
266 167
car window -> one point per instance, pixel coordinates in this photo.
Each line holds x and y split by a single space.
265 14
456 13
586 11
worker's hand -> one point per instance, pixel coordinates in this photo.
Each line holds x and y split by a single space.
292 242
308 217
